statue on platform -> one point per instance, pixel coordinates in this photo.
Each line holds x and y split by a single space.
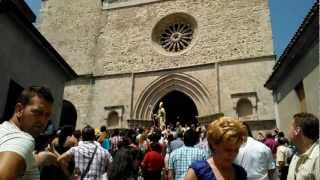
160 117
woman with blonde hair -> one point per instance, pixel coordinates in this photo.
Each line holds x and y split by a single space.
224 136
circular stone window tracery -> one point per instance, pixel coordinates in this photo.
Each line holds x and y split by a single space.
174 34
176 37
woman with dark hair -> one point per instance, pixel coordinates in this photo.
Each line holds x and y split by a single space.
126 164
61 143
47 161
103 134
77 135
104 138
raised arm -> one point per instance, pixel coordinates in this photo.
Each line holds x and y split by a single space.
63 161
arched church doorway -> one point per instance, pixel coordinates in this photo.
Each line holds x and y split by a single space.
178 107
68 114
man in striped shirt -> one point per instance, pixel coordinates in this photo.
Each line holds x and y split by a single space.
181 158
115 141
101 159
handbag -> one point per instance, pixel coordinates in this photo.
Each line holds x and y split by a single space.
88 166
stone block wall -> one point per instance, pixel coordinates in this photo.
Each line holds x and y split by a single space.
115 46
72 28
111 92
243 77
206 75
225 30
79 93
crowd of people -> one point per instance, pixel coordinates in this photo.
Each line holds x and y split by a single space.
224 149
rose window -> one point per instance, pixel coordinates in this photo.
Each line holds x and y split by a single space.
174 34
176 37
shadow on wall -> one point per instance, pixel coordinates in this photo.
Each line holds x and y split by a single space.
13 93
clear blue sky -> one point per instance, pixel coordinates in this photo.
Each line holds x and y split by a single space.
286 16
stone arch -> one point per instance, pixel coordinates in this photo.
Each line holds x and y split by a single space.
182 82
244 108
68 114
179 107
113 119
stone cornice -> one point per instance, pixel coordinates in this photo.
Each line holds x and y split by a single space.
117 5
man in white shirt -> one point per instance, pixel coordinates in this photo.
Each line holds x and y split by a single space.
30 118
256 158
282 158
304 133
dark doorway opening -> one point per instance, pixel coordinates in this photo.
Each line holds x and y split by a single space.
178 107
13 94
68 114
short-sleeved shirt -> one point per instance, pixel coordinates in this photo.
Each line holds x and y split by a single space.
175 144
283 154
204 146
256 158
272 144
106 144
203 171
14 140
306 165
115 140
153 161
82 155
181 159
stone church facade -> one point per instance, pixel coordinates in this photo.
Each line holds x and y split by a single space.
212 56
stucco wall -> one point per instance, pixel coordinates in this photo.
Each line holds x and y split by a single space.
307 71
25 62
287 108
311 81
290 104
311 85
304 65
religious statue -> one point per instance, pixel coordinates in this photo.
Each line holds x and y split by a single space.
160 116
